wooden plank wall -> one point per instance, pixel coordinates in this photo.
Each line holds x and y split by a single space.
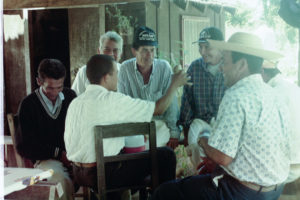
16 60
85 27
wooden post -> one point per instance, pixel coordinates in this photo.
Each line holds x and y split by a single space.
299 57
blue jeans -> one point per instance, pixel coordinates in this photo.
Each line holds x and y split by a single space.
201 187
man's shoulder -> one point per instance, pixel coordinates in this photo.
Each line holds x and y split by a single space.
69 93
198 63
128 63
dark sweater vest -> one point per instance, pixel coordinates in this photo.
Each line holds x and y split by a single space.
39 132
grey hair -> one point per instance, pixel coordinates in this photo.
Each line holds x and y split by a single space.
112 35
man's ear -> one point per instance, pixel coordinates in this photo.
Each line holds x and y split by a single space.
39 81
106 78
242 66
98 50
133 51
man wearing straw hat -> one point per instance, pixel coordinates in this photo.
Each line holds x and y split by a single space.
250 138
290 93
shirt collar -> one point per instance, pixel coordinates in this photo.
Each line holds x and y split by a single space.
153 66
92 87
247 80
48 102
272 82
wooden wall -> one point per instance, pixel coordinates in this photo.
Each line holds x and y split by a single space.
17 81
85 27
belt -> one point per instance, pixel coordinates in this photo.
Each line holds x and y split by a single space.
258 188
88 165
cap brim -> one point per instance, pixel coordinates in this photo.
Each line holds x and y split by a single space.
200 41
265 54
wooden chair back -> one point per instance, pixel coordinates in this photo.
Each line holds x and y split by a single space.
122 130
13 125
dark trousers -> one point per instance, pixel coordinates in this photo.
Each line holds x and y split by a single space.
128 173
201 187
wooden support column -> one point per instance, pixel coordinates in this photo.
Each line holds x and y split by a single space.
299 57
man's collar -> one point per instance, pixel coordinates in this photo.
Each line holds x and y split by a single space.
152 67
45 98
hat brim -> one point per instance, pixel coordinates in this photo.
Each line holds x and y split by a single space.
200 41
265 54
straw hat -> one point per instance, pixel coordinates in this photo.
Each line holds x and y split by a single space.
246 43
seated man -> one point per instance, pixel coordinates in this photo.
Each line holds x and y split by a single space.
40 136
250 138
291 95
201 101
147 78
110 43
101 105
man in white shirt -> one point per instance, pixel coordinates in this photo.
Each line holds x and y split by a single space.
111 43
101 105
250 138
291 95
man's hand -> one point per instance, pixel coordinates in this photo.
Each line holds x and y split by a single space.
173 143
64 160
180 78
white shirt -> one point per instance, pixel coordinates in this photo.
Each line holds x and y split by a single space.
98 106
291 95
49 103
252 127
81 81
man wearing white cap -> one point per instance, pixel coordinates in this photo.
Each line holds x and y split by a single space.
291 95
250 138
201 101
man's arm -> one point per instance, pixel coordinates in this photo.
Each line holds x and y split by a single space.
178 79
214 154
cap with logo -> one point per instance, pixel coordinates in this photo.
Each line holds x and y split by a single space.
144 36
211 33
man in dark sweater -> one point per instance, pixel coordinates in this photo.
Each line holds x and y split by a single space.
40 135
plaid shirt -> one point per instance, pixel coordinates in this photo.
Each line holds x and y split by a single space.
203 98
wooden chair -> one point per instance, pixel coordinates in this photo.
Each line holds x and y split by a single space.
121 130
13 125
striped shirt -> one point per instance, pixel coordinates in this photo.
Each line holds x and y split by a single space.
131 82
202 99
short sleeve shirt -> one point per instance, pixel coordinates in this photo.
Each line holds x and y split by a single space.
252 127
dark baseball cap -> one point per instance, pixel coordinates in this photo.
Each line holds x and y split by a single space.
211 33
144 36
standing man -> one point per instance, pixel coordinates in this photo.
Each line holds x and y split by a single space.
250 138
111 43
148 78
101 105
201 101
291 95
40 136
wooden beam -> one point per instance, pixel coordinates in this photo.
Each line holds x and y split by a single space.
299 58
35 4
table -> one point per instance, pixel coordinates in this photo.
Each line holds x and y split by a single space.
27 183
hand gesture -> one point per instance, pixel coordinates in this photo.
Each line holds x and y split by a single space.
180 78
